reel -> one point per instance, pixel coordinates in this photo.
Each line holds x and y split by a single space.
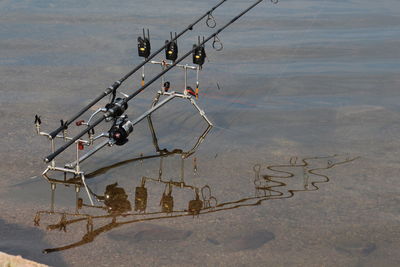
121 129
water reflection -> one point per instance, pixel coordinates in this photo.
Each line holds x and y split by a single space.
115 208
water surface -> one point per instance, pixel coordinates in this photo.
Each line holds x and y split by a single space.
298 79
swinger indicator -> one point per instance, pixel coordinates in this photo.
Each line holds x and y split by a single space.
144 46
171 49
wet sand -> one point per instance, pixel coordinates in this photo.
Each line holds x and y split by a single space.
298 79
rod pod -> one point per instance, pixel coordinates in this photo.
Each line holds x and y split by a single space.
112 111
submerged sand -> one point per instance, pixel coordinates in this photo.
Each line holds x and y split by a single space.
17 261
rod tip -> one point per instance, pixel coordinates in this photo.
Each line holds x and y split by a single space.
46 160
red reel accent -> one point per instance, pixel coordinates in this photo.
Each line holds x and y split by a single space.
79 123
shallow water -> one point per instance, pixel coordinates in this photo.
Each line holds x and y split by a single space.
300 79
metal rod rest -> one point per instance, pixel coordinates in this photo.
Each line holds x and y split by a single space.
152 109
169 64
90 153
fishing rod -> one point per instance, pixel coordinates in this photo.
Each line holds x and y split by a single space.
120 105
115 85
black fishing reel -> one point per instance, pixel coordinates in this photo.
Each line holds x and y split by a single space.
120 130
117 107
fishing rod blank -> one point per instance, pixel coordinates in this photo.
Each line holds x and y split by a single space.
118 107
115 85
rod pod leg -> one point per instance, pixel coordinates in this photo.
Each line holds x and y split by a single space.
87 189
